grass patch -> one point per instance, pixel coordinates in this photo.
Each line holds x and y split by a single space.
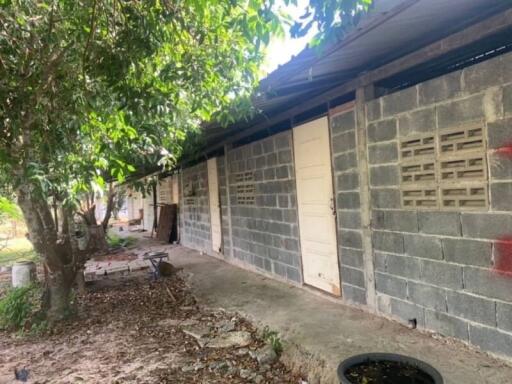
115 241
20 310
17 250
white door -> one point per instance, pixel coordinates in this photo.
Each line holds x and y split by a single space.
213 192
315 201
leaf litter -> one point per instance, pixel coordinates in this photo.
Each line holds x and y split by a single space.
132 330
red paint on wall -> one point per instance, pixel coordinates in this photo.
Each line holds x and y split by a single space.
503 256
504 150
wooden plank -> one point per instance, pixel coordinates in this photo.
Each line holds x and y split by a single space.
228 202
362 94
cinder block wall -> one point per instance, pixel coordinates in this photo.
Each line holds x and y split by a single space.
195 209
266 234
346 186
439 267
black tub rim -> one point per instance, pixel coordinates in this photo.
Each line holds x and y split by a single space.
380 356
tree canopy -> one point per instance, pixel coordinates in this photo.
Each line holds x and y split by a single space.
91 89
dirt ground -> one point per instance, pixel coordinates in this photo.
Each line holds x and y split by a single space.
131 330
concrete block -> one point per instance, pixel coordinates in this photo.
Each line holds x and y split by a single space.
500 166
258 261
349 219
285 157
387 198
344 142
407 311
347 181
283 201
271 159
351 257
383 153
469 252
379 261
267 265
345 161
501 196
483 75
460 111
499 133
471 307
257 149
282 172
397 220
283 140
291 244
440 223
348 200
279 269
391 285
351 239
268 145
442 274
384 130
293 274
384 175
352 276
401 101
419 121
487 283
504 316
403 266
446 325
269 174
260 162
440 89
507 99
373 111
388 241
486 225
427 296
289 215
354 294
491 339
423 246
343 122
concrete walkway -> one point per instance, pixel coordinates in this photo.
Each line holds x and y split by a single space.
321 332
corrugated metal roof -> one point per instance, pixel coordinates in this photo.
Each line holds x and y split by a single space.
392 29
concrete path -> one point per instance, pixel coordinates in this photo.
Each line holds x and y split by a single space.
321 331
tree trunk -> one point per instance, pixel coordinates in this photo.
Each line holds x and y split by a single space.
111 201
58 254
57 295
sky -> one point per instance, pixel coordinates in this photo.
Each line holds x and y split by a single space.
281 50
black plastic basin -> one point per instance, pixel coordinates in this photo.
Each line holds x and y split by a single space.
387 368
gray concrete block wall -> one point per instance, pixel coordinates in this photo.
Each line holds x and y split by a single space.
439 266
348 206
266 234
195 209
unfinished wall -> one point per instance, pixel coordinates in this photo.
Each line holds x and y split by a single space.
346 186
438 249
195 209
264 206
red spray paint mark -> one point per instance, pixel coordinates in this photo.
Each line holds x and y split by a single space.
503 245
504 150
503 261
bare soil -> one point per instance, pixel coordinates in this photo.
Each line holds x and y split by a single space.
131 330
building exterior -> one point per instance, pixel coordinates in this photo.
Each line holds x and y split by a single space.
391 189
